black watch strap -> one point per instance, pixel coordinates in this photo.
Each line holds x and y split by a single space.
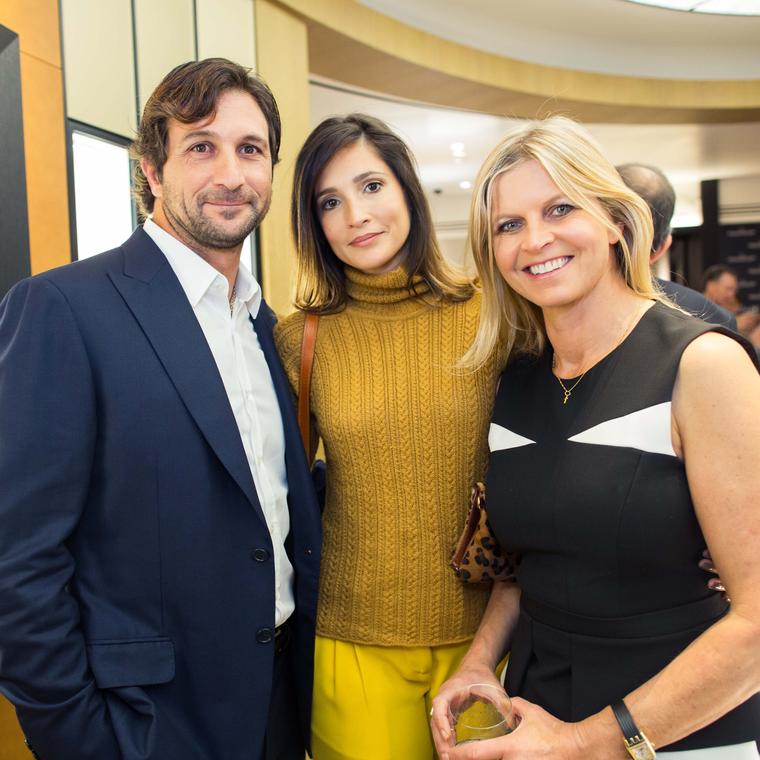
625 720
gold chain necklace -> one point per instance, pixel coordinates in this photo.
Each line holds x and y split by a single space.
233 296
567 391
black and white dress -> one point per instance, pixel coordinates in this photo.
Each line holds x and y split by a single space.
592 497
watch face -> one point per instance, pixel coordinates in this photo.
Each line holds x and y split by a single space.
641 751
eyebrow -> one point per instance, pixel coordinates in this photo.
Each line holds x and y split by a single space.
196 133
358 178
553 199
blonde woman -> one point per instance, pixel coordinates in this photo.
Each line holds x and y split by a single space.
404 432
625 434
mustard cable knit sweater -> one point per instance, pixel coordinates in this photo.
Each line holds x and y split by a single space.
405 437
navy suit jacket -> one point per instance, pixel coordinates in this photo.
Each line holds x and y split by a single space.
136 614
695 303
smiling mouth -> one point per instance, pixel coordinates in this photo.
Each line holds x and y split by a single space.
364 239
548 266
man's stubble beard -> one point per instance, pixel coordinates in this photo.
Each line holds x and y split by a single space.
198 231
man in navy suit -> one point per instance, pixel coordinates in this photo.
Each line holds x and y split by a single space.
655 188
159 534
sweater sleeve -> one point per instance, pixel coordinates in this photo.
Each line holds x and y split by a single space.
288 333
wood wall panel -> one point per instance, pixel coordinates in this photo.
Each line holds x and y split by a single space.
37 24
45 140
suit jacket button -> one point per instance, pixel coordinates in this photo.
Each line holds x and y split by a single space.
260 555
264 635
307 552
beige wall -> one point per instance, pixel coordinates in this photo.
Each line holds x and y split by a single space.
101 40
157 51
283 61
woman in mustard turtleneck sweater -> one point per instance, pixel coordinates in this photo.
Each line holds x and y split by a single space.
404 432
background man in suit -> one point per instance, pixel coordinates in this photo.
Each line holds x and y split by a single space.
160 537
654 187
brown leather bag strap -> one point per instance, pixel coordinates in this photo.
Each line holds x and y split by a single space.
308 343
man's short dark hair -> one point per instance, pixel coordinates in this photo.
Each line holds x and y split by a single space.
655 188
189 93
715 272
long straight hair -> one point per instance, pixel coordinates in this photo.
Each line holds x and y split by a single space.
577 166
320 280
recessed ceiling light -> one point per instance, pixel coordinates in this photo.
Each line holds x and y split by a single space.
465 184
457 150
725 7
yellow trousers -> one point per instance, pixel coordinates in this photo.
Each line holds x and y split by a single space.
372 703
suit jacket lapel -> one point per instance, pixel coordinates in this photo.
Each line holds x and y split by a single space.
155 297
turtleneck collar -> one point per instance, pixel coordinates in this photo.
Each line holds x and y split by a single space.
386 288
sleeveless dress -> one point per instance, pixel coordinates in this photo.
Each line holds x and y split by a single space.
592 497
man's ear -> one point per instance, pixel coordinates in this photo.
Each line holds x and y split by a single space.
152 175
662 250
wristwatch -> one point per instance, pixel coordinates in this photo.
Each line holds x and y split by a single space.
637 744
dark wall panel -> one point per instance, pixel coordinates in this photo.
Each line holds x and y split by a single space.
14 223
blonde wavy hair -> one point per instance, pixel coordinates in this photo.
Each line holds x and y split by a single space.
574 161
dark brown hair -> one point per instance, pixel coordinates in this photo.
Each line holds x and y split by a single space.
655 188
715 272
320 284
189 93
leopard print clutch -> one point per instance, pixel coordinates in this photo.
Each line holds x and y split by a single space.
478 557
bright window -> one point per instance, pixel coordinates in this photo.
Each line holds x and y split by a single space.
104 217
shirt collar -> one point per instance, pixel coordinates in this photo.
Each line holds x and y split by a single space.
196 275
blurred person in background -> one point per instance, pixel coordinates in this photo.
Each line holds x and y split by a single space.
655 188
720 283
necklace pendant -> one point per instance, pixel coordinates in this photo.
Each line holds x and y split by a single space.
567 396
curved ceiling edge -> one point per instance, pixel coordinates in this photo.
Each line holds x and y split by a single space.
351 43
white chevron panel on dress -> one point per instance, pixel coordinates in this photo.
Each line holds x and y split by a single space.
646 430
499 438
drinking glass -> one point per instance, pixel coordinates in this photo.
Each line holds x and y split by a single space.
481 711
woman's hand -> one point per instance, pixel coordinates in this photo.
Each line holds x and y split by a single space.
714 584
539 736
440 723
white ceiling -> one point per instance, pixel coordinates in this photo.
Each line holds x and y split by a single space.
610 36
605 36
686 153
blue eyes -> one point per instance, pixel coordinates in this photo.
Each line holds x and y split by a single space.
510 226
553 212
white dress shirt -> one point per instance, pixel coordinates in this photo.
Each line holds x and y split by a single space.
248 382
